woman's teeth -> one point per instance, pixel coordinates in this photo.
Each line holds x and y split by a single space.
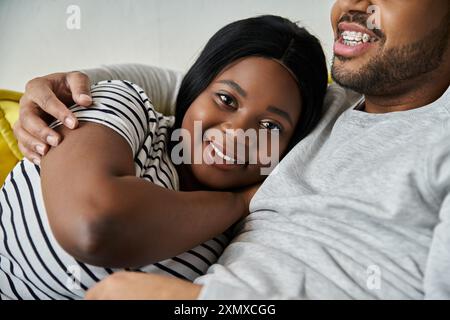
221 155
352 38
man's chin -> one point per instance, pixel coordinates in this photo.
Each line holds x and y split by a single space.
349 74
351 64
344 69
337 58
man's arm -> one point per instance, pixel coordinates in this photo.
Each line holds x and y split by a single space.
437 281
47 97
161 85
142 286
147 286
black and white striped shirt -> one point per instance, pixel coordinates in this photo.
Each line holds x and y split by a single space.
32 264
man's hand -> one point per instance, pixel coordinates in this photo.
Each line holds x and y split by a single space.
142 286
46 98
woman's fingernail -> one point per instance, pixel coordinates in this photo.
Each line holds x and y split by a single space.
53 141
85 97
36 161
40 149
69 122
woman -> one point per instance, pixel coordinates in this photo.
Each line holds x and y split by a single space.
110 196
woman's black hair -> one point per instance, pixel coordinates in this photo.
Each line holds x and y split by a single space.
265 36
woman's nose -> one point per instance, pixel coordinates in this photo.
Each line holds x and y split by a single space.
237 122
231 132
226 126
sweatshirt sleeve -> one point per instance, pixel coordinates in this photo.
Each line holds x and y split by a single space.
225 279
221 284
161 85
437 280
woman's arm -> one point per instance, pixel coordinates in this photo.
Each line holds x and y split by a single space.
103 215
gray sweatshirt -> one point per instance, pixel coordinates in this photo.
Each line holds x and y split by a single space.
360 209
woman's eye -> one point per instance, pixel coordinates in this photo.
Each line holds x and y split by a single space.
227 100
270 126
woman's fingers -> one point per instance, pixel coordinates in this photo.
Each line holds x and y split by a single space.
39 93
30 146
80 86
30 154
45 95
31 122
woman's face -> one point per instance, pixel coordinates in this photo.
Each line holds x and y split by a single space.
251 94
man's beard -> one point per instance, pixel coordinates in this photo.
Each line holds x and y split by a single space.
389 69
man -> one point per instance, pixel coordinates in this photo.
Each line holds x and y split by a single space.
358 209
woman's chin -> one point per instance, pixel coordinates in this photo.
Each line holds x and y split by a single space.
212 178
222 179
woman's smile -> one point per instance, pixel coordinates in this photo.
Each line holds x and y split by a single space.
214 155
254 119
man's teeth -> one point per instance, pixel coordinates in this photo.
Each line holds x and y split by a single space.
220 154
353 38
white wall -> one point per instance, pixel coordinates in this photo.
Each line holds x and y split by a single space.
34 39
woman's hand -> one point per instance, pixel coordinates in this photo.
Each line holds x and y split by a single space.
142 286
46 98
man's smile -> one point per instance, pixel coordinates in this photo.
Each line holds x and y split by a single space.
353 40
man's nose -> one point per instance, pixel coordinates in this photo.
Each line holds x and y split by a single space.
353 5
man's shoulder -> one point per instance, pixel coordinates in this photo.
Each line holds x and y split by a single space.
338 99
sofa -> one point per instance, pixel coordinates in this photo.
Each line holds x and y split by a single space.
9 150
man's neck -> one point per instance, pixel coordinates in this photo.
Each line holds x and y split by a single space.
412 94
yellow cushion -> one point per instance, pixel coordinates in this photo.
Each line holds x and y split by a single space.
9 113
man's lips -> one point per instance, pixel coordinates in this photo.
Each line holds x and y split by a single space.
346 51
349 26
353 40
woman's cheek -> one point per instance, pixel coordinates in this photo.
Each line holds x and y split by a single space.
273 146
203 107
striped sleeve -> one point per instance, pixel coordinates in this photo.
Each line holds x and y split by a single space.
121 106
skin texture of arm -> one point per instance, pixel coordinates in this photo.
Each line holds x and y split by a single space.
143 286
103 215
